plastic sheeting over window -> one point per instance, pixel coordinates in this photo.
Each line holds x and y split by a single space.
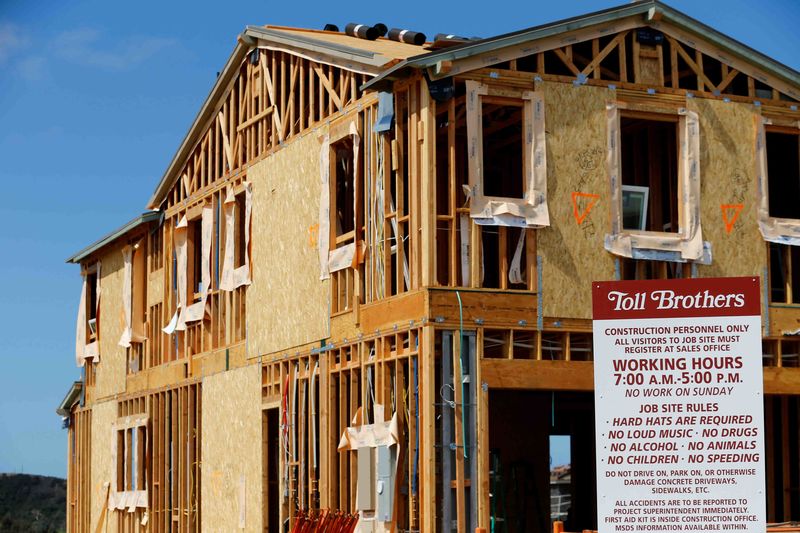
527 207
233 277
179 239
129 457
197 310
773 229
685 245
85 346
340 257
127 300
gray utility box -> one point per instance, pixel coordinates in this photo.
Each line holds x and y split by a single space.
384 484
365 495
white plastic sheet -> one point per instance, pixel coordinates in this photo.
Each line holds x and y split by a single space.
779 230
197 310
83 348
179 237
232 276
531 211
688 241
127 282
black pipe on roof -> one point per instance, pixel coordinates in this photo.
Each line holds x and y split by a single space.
407 36
381 28
362 31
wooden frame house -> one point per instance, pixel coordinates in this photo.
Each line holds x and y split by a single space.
362 285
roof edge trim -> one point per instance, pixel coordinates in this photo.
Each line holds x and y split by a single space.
144 218
70 399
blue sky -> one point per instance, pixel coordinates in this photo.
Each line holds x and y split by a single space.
96 96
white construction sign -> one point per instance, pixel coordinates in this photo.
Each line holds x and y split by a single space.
679 405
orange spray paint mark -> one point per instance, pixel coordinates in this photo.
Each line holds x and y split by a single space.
730 214
313 235
581 214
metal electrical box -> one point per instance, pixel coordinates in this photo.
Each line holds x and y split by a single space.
384 484
366 479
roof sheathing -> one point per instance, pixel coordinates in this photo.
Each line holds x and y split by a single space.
387 48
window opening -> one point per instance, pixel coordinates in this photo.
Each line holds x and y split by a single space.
196 256
649 173
344 180
502 128
241 228
91 305
784 269
783 164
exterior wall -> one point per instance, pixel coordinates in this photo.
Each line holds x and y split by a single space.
573 254
288 304
111 370
231 450
728 176
79 467
104 414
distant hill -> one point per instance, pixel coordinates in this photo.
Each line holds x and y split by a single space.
32 504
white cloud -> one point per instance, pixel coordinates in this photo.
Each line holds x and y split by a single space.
87 47
32 68
11 39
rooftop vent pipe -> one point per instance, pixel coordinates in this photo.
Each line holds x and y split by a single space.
382 29
361 31
331 27
407 36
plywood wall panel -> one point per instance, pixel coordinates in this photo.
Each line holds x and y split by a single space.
111 370
103 417
727 167
231 450
287 304
155 287
573 254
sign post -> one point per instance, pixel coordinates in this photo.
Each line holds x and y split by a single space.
679 405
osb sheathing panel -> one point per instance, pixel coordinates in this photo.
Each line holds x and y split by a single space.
287 304
572 254
650 68
103 417
231 448
155 287
344 327
111 369
727 170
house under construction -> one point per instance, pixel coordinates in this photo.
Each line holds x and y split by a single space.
361 289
